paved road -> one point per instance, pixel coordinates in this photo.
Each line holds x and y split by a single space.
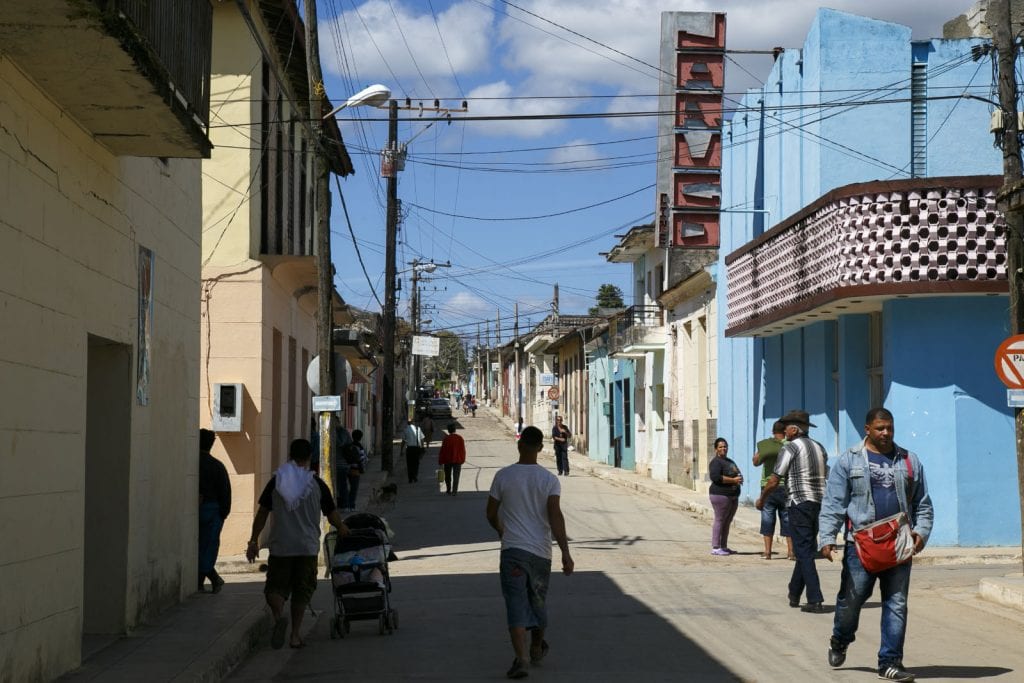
647 601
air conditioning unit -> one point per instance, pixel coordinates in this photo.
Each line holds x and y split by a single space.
227 408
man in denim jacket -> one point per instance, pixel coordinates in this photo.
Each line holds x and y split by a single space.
870 482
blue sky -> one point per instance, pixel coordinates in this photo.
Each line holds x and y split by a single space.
525 57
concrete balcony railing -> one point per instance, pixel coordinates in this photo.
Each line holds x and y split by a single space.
865 242
637 329
134 73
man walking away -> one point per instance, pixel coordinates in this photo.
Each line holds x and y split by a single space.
896 484
451 457
524 508
214 507
766 455
802 463
413 441
297 498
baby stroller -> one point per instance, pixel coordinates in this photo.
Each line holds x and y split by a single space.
359 575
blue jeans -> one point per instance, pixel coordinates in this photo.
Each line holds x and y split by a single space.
524 585
775 504
562 459
803 525
855 587
210 524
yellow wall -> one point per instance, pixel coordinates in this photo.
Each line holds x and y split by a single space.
71 220
242 302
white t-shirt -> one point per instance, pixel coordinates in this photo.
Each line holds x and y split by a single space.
523 491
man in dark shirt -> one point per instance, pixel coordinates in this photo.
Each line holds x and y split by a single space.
297 497
214 507
560 436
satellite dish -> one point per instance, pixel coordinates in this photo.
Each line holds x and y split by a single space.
342 374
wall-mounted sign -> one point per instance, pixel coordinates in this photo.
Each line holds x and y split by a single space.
547 379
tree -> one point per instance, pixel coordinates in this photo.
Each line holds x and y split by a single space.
608 296
451 358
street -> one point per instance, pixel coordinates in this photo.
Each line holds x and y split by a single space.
646 602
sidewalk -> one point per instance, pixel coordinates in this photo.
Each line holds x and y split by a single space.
202 639
207 635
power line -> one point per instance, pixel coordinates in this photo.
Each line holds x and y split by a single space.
531 218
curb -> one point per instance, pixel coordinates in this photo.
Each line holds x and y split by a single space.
230 648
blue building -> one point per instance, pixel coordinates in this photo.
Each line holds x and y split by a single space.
610 418
871 266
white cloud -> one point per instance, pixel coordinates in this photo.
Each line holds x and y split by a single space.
467 305
576 152
494 103
376 33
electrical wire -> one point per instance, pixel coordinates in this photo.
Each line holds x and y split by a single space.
533 218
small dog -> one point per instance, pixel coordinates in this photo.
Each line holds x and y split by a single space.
385 496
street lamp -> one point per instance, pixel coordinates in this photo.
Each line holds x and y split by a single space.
392 161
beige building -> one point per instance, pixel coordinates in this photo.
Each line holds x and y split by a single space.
259 296
100 226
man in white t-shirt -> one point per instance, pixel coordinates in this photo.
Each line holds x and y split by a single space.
524 508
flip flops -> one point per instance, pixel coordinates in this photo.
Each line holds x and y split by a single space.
280 630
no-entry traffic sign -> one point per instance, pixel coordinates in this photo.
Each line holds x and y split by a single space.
1010 362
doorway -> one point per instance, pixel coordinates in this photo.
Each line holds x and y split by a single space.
107 475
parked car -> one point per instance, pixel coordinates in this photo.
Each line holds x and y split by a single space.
439 408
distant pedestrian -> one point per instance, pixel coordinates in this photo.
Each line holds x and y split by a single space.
354 458
724 492
895 484
214 508
472 406
524 508
519 429
451 457
803 462
297 498
412 439
427 425
560 436
766 455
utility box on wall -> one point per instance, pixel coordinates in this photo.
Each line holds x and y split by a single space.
227 407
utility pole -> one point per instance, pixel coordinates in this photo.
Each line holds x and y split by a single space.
325 270
1005 43
518 413
389 168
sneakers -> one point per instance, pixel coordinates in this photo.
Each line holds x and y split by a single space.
794 600
539 653
836 653
518 670
729 551
895 672
813 608
720 552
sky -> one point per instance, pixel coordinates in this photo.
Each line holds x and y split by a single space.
519 206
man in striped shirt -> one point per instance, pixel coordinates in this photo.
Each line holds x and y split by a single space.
802 460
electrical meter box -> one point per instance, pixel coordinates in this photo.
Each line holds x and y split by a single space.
227 407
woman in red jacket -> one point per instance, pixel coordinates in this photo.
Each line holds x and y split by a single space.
451 457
